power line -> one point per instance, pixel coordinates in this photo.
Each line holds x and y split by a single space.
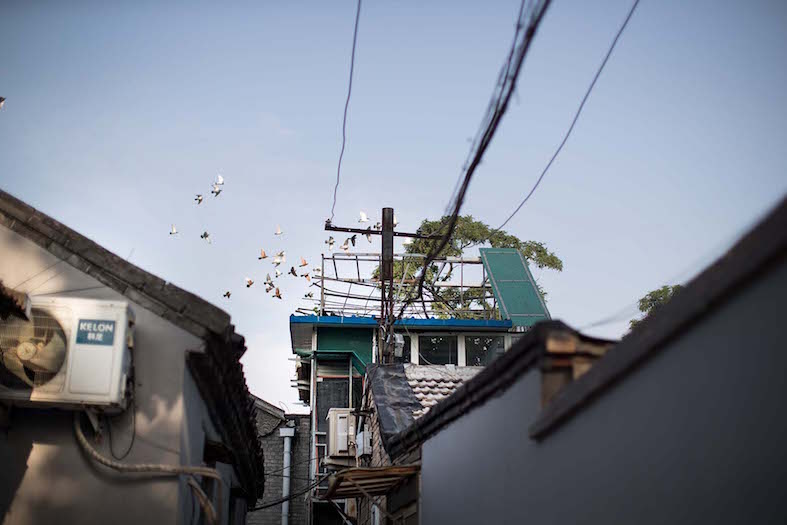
346 106
495 112
576 116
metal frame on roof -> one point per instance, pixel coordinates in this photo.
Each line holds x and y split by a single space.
348 288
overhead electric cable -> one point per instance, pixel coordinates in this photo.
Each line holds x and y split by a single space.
496 110
576 116
346 106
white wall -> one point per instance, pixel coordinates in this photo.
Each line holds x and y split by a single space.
47 479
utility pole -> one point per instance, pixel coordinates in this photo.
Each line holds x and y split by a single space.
387 307
386 281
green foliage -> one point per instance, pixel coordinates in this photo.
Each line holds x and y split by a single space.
469 233
654 300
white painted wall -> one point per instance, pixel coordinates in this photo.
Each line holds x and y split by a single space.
46 478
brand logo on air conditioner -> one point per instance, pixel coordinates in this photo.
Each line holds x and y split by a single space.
95 332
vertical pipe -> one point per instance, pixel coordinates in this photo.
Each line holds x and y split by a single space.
287 434
322 285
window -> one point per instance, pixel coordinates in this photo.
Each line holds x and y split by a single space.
437 350
483 349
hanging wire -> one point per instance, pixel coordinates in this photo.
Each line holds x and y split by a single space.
346 106
576 116
497 109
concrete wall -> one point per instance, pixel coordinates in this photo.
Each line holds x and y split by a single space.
696 435
46 478
273 448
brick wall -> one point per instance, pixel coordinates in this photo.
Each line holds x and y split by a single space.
273 449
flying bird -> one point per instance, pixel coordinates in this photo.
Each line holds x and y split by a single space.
227 294
307 276
198 198
352 239
276 261
330 242
249 282
277 294
369 234
268 288
292 271
219 180
316 270
278 230
263 255
2 102
396 221
268 279
303 263
278 272
363 218
173 230
309 295
377 225
346 245
216 190
206 236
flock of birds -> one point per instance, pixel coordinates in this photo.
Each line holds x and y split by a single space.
280 258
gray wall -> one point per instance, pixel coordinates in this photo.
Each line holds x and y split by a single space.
696 435
273 448
46 478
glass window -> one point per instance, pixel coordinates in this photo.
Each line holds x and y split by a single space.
481 350
437 350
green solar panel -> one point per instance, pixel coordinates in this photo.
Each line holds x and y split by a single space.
514 287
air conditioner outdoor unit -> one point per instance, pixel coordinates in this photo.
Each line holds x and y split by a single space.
72 353
341 430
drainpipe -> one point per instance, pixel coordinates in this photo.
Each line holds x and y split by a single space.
287 433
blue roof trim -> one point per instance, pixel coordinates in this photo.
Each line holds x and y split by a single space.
371 322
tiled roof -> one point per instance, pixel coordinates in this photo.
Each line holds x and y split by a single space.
432 383
403 393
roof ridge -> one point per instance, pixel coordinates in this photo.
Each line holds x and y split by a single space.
181 307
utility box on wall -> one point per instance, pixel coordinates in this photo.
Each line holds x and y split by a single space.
341 432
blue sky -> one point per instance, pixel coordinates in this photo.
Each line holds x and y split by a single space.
117 114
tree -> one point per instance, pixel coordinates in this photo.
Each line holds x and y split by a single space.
469 233
653 300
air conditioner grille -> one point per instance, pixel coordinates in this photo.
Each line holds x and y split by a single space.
31 352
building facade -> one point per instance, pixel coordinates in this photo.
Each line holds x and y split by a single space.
186 405
275 428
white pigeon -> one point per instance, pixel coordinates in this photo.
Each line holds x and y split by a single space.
249 282
278 272
396 221
173 230
219 180
330 242
346 245
363 218
278 230
276 261
216 190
